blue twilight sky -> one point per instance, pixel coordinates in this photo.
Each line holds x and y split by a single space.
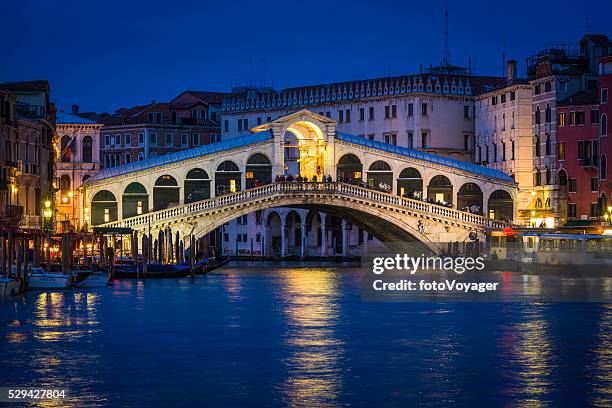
107 54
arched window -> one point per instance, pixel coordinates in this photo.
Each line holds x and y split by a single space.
140 156
603 167
548 145
128 158
538 151
87 149
604 125
66 154
537 115
562 177
65 182
548 113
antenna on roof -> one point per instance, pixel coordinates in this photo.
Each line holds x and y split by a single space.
446 60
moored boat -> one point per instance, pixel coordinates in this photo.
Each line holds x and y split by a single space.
84 276
38 278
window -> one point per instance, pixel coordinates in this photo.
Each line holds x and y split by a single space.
512 95
151 117
107 215
140 139
371 113
361 114
128 139
594 184
562 118
579 118
537 146
494 100
487 154
571 185
387 112
538 178
394 111
503 151
153 137
258 217
226 125
547 86
537 115
512 147
411 140
572 118
581 150
371 136
548 145
245 123
571 210
595 116
106 141
258 120
240 125
503 98
340 116
561 150
258 237
128 158
494 152
328 114
548 114
548 176
195 139
479 154
410 109
537 89
603 167
390 138
184 140
87 149
424 109
169 141
604 95
117 141
158 117
466 142
269 119
348 116
425 140
604 125
466 112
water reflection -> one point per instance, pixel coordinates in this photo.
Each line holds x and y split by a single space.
310 302
601 369
527 366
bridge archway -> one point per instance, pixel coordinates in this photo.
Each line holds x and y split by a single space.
410 183
440 189
274 239
500 205
227 178
103 207
197 185
165 192
380 175
135 200
258 170
349 169
469 198
307 149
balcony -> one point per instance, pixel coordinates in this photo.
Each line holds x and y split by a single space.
29 111
12 213
30 222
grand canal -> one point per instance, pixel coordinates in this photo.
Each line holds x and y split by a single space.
273 335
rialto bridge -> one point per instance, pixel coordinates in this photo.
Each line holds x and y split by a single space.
395 193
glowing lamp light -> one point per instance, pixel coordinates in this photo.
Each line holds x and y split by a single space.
47 204
70 194
47 213
64 199
533 213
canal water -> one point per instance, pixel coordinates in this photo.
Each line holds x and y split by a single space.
290 335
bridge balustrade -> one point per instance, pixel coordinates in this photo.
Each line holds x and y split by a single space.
282 188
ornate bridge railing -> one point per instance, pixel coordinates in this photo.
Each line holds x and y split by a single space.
335 189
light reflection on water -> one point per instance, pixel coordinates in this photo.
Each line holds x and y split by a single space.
301 337
308 298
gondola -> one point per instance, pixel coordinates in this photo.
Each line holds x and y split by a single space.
155 270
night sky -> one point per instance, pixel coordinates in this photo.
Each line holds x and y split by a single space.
107 54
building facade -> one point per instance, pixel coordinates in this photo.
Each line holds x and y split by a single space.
503 136
131 134
78 158
28 150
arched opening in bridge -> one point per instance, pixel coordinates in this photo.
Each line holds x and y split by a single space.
197 186
293 223
410 183
135 200
440 190
274 234
258 170
335 226
349 169
165 192
380 176
469 198
103 207
304 150
314 233
500 205
227 178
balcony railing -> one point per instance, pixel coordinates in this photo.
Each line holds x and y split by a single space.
30 111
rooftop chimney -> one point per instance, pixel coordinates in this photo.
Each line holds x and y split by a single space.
75 109
511 70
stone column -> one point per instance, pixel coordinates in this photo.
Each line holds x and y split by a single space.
346 239
284 238
323 234
303 237
364 243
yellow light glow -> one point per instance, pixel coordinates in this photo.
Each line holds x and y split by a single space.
86 210
47 204
64 199
610 208
533 213
233 186
47 213
607 232
70 194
